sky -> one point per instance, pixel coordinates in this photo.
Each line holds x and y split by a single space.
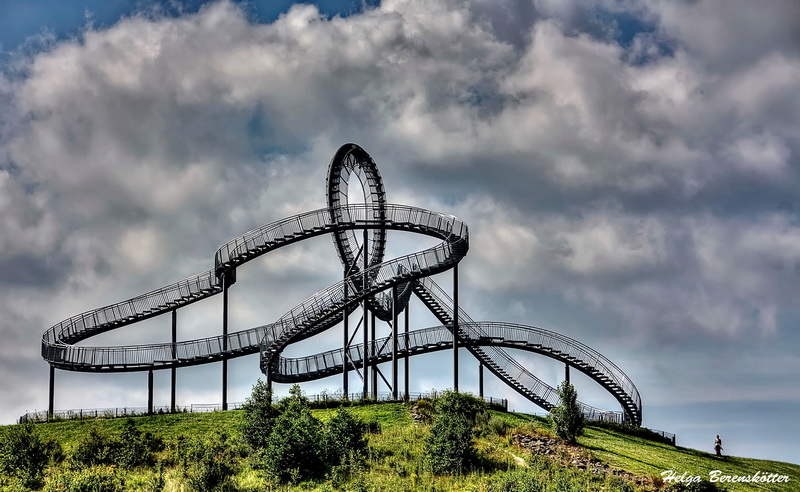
629 171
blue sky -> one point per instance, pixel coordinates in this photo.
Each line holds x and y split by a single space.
21 19
629 172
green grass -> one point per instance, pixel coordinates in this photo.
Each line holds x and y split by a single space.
395 455
168 426
645 457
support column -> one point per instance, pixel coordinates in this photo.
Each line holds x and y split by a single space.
150 392
480 380
346 345
374 380
226 283
455 327
566 373
365 315
174 370
52 392
408 355
394 342
365 355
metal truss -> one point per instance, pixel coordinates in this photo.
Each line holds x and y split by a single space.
381 287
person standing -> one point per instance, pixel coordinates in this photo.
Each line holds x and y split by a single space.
718 446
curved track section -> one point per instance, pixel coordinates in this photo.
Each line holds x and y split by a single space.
368 278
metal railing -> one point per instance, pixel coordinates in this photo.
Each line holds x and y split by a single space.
57 342
315 400
369 282
552 344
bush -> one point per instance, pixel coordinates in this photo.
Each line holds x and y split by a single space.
208 464
259 416
425 410
497 426
136 448
344 437
448 448
517 481
24 454
95 448
460 403
568 421
130 449
294 450
93 479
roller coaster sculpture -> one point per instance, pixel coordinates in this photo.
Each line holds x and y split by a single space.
381 287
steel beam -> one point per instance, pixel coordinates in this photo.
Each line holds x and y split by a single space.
373 351
150 392
52 392
365 364
394 342
174 370
455 327
225 287
408 356
480 380
346 345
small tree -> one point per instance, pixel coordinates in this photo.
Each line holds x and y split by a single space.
208 463
95 448
294 449
448 448
259 415
568 419
344 434
136 447
24 454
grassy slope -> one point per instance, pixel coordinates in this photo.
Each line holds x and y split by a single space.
645 457
395 448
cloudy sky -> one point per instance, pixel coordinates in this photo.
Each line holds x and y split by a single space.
629 169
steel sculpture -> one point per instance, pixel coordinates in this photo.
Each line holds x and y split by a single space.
382 288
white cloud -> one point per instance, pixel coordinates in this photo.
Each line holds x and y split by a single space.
137 149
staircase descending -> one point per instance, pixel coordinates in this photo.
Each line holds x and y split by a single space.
474 336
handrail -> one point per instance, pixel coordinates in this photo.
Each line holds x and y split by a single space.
369 282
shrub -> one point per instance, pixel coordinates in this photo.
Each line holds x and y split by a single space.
344 437
24 454
259 415
136 448
517 481
372 426
294 450
460 403
568 421
425 410
92 479
448 448
208 464
497 426
95 448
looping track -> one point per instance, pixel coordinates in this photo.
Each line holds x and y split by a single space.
368 279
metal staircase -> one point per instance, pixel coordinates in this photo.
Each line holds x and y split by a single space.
370 279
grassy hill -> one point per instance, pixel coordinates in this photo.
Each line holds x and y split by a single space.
515 452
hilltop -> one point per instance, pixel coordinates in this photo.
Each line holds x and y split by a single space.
515 452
